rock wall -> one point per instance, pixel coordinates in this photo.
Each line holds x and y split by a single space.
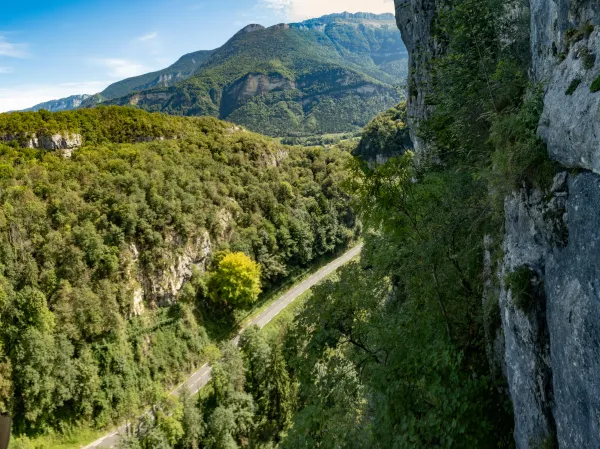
566 54
552 345
160 286
252 85
63 143
564 43
415 19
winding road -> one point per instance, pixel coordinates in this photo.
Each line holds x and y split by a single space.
201 377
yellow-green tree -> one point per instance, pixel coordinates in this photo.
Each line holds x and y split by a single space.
236 280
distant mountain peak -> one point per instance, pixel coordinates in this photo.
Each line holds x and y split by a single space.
62 104
353 16
250 29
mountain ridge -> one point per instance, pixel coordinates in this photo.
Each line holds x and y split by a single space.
325 75
61 104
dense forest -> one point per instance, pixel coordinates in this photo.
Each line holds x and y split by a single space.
94 249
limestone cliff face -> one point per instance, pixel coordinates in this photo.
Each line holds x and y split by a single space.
564 43
160 285
415 19
63 104
252 85
551 352
62 143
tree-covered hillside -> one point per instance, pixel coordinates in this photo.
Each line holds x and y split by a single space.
325 75
91 247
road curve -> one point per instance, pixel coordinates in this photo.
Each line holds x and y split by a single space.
200 378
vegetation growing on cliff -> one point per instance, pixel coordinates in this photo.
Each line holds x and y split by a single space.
79 237
385 136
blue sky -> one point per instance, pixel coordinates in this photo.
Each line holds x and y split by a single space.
55 48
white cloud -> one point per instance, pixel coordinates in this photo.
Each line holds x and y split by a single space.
121 68
28 95
12 50
4 70
147 37
278 5
307 9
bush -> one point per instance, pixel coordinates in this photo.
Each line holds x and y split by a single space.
520 155
588 58
573 86
595 87
521 283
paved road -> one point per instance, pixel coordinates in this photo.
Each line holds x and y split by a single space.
201 377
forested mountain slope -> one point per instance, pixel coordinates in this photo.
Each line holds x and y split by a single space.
121 264
325 75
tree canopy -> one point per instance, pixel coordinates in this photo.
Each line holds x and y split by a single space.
236 281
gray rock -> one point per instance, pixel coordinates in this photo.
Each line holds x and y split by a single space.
573 292
527 349
415 18
570 124
552 348
63 143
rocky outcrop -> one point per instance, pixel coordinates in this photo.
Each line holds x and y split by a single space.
415 19
387 135
529 236
62 143
63 104
252 85
564 41
250 29
161 286
565 49
553 351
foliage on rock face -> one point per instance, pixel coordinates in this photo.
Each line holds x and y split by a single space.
79 235
236 281
385 136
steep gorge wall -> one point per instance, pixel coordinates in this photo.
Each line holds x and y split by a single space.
551 350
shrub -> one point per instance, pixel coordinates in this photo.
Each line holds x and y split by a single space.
573 86
520 154
588 59
521 284
595 87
